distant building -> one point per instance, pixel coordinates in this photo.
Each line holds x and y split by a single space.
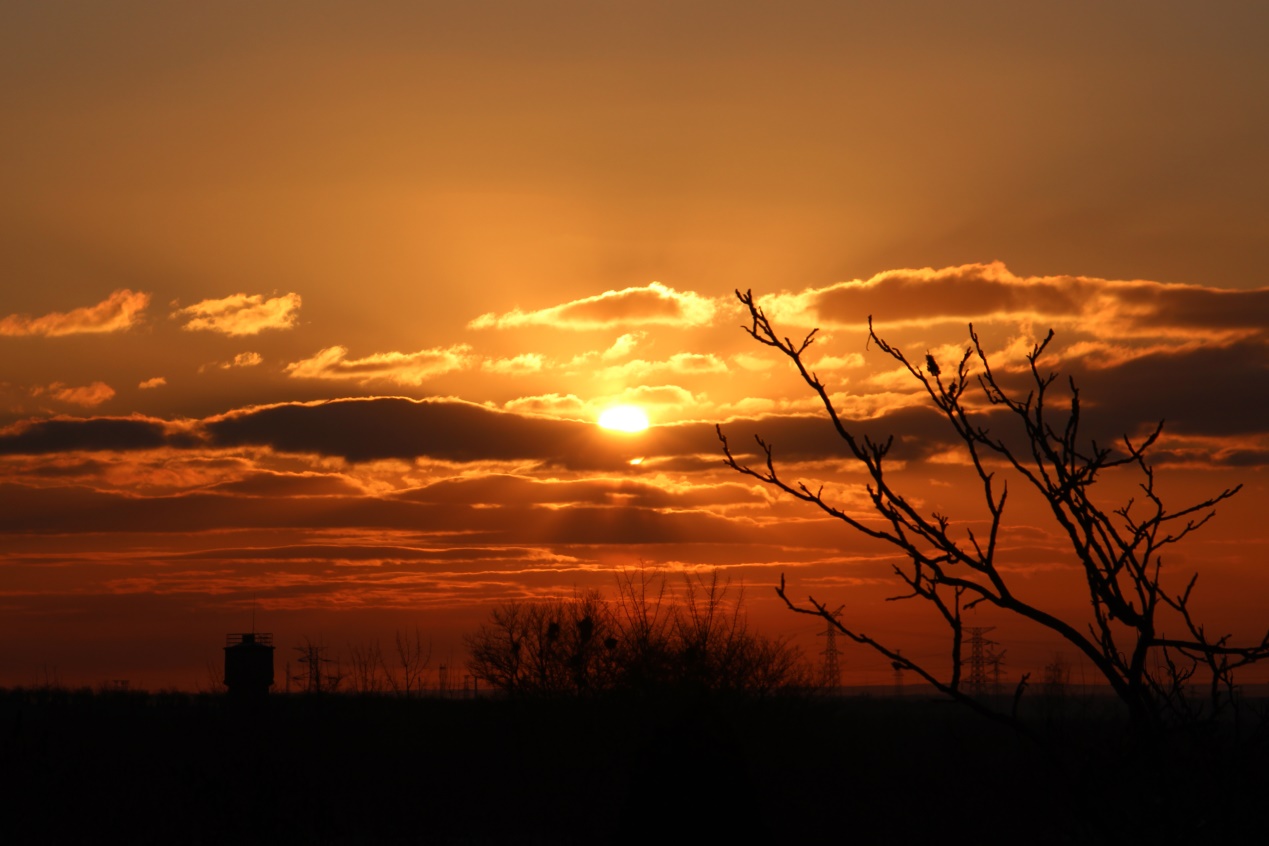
249 664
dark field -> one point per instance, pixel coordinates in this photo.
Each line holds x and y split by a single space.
175 768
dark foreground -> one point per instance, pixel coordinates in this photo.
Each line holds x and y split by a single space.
175 768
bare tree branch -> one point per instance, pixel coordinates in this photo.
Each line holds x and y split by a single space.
1118 549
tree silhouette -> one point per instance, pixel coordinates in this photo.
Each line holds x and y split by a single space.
412 656
1027 436
368 669
696 638
545 647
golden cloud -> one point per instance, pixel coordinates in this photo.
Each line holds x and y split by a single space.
838 362
247 359
88 396
652 304
400 368
156 382
117 313
554 405
620 348
573 407
520 365
753 361
668 395
240 314
683 363
977 292
623 345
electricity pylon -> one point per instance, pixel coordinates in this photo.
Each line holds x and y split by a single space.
830 669
976 680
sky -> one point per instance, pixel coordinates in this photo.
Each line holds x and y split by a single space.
309 311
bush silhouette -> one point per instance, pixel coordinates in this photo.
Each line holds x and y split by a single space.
651 637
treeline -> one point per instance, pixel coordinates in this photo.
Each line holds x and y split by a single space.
691 635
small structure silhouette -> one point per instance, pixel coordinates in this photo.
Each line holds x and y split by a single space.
249 664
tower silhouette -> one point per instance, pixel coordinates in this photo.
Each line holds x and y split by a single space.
976 680
317 676
830 668
249 664
996 660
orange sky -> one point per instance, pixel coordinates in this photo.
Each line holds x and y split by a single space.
477 226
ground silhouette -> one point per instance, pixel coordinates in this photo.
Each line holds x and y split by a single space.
83 766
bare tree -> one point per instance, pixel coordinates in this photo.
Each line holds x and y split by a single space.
412 657
368 673
1034 436
496 649
548 647
643 621
717 648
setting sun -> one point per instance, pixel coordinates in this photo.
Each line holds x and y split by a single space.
624 418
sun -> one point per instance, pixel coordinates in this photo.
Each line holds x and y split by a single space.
624 418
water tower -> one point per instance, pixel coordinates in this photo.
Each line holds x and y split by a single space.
249 664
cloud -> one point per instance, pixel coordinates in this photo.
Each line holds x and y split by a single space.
671 395
630 493
66 434
117 313
754 362
1204 390
88 396
837 362
273 484
976 292
652 304
400 368
679 363
246 359
620 348
575 408
359 430
1206 394
620 514
156 382
394 427
518 366
623 346
241 314
553 405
